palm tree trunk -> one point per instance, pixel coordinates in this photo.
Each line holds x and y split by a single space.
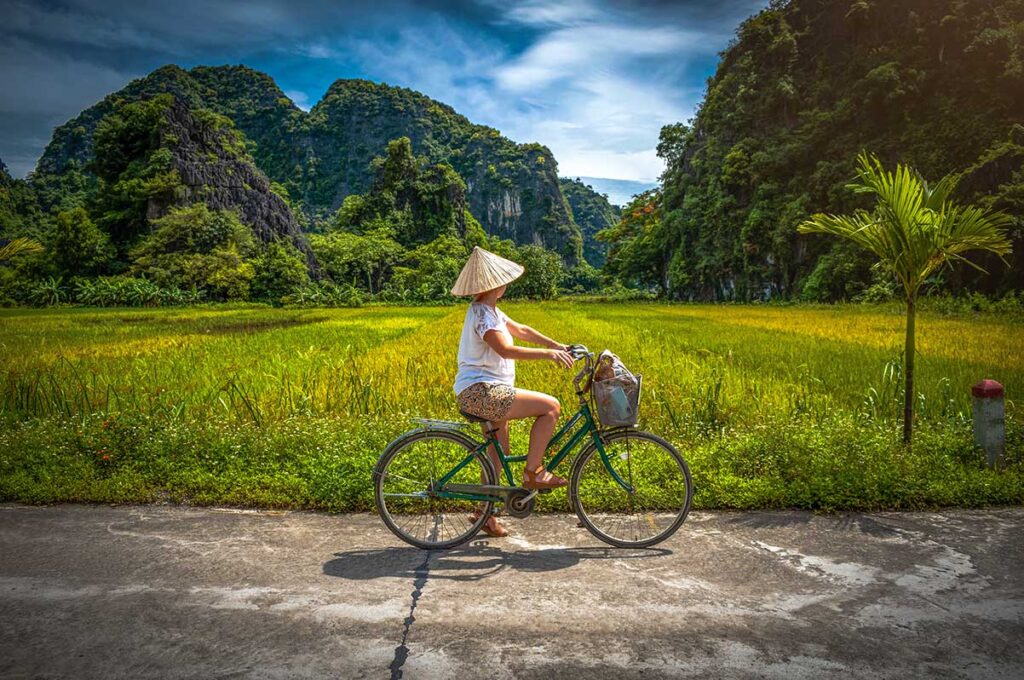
908 371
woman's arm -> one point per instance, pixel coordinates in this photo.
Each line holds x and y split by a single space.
528 334
506 350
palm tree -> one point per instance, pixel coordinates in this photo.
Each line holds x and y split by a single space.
19 246
914 229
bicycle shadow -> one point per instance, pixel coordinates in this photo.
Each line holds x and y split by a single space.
473 562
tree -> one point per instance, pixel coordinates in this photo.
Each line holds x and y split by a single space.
134 168
355 258
544 272
77 246
280 271
914 229
638 252
428 271
195 247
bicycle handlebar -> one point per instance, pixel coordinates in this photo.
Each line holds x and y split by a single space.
581 352
578 352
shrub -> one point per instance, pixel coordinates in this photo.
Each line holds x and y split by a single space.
280 270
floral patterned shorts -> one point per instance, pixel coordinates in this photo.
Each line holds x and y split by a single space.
487 400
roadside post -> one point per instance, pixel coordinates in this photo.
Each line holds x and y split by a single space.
989 420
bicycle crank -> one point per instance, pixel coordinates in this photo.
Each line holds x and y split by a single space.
519 503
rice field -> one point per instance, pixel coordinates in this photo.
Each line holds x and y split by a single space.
772 406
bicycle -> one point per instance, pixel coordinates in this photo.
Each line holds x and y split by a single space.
435 486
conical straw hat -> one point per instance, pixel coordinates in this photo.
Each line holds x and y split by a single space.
485 271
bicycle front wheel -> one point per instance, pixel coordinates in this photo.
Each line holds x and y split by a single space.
404 489
649 500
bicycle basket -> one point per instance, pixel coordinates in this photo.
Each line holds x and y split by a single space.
616 392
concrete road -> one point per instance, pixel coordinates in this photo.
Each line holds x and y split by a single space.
140 592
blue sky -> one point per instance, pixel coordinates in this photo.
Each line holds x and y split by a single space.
593 80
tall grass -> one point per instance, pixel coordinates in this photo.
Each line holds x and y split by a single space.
754 396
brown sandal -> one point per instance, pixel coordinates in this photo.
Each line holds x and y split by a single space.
530 480
491 527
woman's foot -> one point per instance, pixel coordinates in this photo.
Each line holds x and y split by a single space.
492 527
541 479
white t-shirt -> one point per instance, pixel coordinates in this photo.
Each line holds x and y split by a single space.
478 362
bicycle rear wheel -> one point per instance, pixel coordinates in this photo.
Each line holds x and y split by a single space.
656 501
404 479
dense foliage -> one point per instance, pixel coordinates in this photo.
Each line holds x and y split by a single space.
806 85
913 229
175 202
134 186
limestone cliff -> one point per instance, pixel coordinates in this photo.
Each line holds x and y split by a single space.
210 159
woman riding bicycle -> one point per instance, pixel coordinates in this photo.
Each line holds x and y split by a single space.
485 382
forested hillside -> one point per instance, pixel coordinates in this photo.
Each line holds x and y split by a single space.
806 84
165 204
592 212
18 209
323 156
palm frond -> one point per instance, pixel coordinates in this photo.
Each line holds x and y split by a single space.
20 246
937 197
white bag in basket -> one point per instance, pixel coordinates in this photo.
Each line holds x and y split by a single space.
616 392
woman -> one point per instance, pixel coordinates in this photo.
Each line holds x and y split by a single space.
486 376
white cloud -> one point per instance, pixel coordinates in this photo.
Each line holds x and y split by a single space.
578 89
544 13
643 166
607 125
571 52
317 50
439 61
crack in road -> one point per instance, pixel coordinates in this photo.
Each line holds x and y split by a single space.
422 572
402 650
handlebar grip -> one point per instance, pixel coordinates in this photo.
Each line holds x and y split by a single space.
578 351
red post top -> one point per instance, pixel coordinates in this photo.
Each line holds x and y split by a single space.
987 389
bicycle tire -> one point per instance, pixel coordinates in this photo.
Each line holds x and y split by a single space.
581 512
380 474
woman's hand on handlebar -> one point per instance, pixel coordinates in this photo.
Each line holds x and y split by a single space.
561 357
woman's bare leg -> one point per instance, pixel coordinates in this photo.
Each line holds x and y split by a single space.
546 409
502 436
493 526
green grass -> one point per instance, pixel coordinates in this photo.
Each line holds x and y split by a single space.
771 406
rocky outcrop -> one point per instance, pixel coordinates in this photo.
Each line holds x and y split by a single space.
210 158
504 210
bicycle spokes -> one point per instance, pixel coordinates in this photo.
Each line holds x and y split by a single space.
413 502
637 495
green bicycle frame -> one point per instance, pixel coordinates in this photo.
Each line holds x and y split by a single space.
589 428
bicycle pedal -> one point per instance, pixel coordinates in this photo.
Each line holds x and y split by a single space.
544 490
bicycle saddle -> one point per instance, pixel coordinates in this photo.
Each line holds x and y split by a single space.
472 418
